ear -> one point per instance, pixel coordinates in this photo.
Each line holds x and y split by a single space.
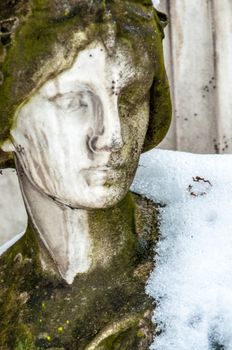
160 110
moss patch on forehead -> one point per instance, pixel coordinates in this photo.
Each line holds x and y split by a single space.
51 33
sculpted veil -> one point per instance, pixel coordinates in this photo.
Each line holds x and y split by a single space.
83 93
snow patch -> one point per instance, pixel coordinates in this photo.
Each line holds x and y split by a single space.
192 281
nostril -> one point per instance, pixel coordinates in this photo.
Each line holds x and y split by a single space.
93 143
97 143
102 131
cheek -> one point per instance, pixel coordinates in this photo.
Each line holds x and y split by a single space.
51 140
135 128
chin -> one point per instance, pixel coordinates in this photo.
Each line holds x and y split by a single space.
97 197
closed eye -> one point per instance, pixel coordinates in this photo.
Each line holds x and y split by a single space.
70 102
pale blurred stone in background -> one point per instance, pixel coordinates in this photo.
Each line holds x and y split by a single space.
13 216
198 59
156 2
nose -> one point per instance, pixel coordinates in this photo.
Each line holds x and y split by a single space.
106 141
105 134
110 137
99 143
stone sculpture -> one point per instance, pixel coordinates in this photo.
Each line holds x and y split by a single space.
84 92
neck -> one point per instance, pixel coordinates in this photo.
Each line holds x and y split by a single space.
75 241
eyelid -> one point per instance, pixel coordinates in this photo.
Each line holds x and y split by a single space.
72 101
60 96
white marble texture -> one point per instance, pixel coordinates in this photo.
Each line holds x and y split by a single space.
74 152
68 136
64 232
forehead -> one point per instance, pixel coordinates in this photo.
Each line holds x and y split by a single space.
96 68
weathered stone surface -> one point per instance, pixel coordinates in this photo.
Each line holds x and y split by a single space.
103 306
104 309
49 35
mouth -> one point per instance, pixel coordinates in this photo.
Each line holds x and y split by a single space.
113 167
99 168
101 175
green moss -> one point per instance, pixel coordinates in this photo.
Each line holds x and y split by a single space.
121 242
24 339
160 102
160 111
19 270
45 30
37 305
39 310
6 160
124 340
13 333
127 334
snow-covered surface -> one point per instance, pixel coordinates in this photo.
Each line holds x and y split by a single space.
192 281
13 216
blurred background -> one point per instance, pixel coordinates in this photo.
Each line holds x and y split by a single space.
198 54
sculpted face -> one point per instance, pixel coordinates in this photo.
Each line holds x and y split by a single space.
78 137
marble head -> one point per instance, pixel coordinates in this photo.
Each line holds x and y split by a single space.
77 134
71 138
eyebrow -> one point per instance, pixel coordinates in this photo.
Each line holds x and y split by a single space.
53 98
71 92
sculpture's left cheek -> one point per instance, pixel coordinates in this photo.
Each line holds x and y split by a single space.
137 125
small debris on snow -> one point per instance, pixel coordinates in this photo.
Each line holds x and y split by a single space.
192 281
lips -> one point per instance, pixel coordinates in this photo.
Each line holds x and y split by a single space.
99 168
113 166
99 175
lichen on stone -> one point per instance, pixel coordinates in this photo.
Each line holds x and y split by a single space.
38 309
50 34
107 305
